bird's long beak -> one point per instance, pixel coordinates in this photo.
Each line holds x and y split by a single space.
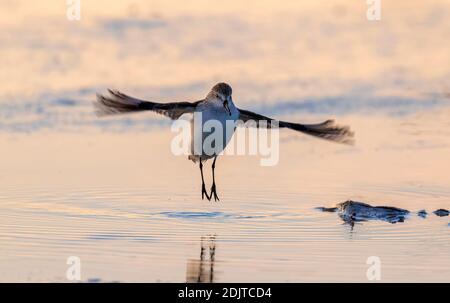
225 104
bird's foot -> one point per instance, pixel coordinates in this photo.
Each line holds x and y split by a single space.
214 193
205 193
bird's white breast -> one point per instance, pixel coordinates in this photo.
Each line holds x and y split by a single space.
212 115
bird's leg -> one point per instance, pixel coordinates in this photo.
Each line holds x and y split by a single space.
213 187
203 184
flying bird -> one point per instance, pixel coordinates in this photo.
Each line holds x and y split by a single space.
218 105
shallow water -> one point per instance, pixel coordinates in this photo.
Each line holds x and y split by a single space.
132 212
110 191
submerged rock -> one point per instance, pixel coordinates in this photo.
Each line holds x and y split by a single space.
422 213
351 211
327 209
358 211
441 212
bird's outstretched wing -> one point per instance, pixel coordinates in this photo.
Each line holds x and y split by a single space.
326 130
118 103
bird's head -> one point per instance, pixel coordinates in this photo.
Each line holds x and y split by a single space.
221 92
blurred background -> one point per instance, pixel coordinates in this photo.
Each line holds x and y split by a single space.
110 191
280 57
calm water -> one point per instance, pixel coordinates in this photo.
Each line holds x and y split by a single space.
110 192
132 212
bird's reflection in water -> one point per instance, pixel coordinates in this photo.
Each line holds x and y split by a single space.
202 270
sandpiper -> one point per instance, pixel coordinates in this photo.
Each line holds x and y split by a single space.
218 105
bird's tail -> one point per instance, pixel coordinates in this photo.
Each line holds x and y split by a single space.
326 130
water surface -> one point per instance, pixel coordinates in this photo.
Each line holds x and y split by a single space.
110 192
